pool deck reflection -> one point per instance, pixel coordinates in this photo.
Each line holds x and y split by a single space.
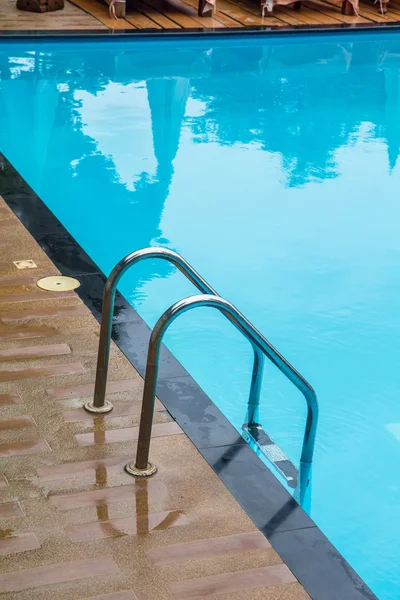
74 524
157 16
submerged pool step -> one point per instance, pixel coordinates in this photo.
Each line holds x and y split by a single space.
255 435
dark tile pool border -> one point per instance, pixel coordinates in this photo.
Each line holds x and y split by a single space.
200 31
316 563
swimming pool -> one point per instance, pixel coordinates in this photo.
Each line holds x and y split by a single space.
271 165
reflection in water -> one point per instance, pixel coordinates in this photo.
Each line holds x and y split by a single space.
142 507
6 533
302 492
144 521
101 476
141 502
341 84
171 519
100 429
271 92
102 509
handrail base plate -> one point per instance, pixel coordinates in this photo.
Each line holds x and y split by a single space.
133 470
90 407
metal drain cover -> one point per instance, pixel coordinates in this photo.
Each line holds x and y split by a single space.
58 283
25 264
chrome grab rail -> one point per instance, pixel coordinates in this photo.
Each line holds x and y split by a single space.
141 466
99 404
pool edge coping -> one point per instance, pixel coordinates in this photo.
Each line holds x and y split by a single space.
316 563
202 31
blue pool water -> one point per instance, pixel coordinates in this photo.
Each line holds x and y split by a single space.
271 165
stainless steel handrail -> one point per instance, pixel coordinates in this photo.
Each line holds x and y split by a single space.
99 404
141 466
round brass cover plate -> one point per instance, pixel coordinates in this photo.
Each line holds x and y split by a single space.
58 283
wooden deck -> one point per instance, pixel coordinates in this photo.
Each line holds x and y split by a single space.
71 17
158 15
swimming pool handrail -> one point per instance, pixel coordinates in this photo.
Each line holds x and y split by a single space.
141 466
99 404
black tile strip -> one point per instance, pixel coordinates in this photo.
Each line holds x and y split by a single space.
316 563
316 567
66 254
201 31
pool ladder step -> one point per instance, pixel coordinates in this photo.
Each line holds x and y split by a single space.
252 430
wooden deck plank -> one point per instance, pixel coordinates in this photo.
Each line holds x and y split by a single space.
283 15
226 20
177 14
170 9
370 12
325 9
100 11
211 22
156 16
375 15
190 9
218 16
71 17
291 17
141 21
247 15
394 12
317 18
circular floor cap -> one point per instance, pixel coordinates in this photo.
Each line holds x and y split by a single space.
58 283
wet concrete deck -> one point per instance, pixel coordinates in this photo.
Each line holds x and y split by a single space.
74 525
